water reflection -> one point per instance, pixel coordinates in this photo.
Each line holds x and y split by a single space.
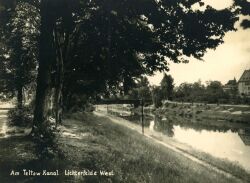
245 136
219 138
151 125
165 126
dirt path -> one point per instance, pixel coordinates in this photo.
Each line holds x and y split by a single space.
165 141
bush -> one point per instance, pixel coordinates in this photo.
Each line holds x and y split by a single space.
20 117
79 103
45 139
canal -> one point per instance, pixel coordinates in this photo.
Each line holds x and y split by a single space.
220 139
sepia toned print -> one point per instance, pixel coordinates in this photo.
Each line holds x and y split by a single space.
131 91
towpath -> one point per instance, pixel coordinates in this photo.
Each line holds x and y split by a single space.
169 143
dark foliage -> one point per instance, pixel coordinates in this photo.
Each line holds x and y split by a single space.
167 87
91 47
20 117
45 140
244 8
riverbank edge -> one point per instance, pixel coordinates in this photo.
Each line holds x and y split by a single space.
106 145
222 166
238 114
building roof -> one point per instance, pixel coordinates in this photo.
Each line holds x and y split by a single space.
245 76
231 82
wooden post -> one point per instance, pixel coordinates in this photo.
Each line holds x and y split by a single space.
142 116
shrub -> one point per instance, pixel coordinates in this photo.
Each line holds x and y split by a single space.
20 117
198 111
45 139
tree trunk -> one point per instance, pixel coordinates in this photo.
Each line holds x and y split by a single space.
58 104
59 82
19 69
63 46
46 58
20 97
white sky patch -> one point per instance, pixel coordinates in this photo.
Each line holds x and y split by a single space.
219 4
229 60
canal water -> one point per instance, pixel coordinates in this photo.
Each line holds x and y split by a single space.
223 144
220 139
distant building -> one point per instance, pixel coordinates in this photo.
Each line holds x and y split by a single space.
231 87
244 83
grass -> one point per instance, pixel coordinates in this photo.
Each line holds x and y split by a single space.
134 158
95 143
223 164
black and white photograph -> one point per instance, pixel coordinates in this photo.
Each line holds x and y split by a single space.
124 91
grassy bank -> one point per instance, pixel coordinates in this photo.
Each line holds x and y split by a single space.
222 164
95 143
199 112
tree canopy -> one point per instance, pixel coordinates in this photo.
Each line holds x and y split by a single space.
244 8
91 46
167 87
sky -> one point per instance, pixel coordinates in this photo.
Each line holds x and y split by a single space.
229 60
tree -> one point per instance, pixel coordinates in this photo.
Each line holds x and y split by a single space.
214 92
5 17
23 48
43 104
138 40
183 92
116 41
167 87
244 8
141 89
157 96
20 55
144 90
198 92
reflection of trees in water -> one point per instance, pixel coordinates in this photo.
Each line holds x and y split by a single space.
245 136
166 126
201 125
